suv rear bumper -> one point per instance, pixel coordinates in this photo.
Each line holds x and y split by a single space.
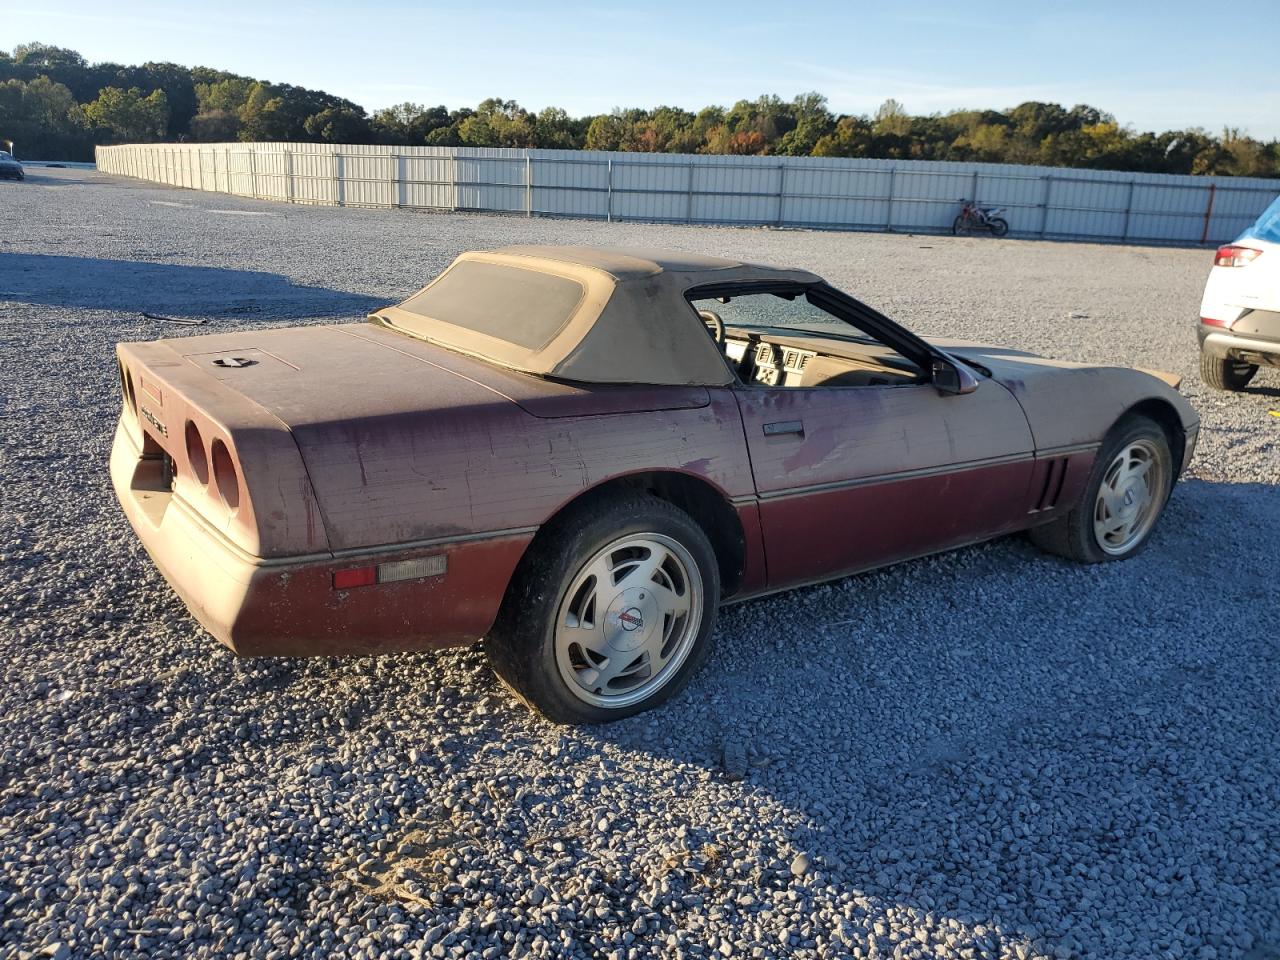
1248 347
289 606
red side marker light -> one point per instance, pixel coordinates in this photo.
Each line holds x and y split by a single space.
355 577
417 569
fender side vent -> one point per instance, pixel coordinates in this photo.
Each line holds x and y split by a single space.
1055 473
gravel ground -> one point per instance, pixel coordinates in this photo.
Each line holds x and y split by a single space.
987 754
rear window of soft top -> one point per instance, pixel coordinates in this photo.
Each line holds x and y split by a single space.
527 308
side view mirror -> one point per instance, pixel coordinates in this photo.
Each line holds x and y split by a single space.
951 377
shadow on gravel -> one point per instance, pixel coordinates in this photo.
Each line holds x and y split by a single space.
86 179
1261 390
171 289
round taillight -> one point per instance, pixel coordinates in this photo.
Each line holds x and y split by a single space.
224 474
196 454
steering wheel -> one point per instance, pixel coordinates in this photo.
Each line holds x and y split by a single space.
716 325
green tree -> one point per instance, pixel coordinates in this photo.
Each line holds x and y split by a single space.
55 102
263 116
338 125
128 116
852 137
554 129
215 126
408 123
813 121
43 120
43 56
891 120
179 91
608 132
225 93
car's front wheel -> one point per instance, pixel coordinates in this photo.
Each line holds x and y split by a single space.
610 614
1125 495
1223 373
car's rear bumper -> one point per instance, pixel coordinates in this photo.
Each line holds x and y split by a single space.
1253 347
289 606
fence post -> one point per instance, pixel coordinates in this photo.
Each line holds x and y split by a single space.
395 180
688 212
288 175
608 197
888 215
338 171
528 184
253 172
782 189
975 188
1208 213
1044 204
453 165
1128 208
226 164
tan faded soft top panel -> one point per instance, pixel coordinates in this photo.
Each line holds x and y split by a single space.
597 288
633 324
622 263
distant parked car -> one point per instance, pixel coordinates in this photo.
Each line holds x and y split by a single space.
1240 312
10 168
579 454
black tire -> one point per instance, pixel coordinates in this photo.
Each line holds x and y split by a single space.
1073 535
959 225
1223 373
521 647
999 226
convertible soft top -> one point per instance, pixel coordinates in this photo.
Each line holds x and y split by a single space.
592 315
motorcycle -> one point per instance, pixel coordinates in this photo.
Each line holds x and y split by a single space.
973 217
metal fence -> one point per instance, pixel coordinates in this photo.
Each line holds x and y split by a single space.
812 192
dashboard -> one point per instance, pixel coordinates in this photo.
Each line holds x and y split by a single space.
781 363
770 364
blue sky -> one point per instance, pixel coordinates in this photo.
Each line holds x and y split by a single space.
1172 66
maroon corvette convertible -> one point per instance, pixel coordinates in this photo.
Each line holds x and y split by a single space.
578 454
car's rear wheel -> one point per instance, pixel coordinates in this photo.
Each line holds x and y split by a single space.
610 614
1223 373
1125 495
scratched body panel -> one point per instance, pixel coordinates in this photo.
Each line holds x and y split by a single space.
491 466
871 475
1069 404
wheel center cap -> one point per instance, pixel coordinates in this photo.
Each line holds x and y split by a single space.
630 618
1130 500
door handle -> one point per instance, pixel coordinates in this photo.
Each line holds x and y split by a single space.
783 427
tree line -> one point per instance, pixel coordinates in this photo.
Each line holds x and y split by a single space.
56 105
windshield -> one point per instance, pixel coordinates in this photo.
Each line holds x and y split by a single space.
761 311
1267 227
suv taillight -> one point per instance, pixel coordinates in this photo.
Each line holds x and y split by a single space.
1233 256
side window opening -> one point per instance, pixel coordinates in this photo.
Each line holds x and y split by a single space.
785 339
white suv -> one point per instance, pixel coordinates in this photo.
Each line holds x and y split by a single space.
1240 313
